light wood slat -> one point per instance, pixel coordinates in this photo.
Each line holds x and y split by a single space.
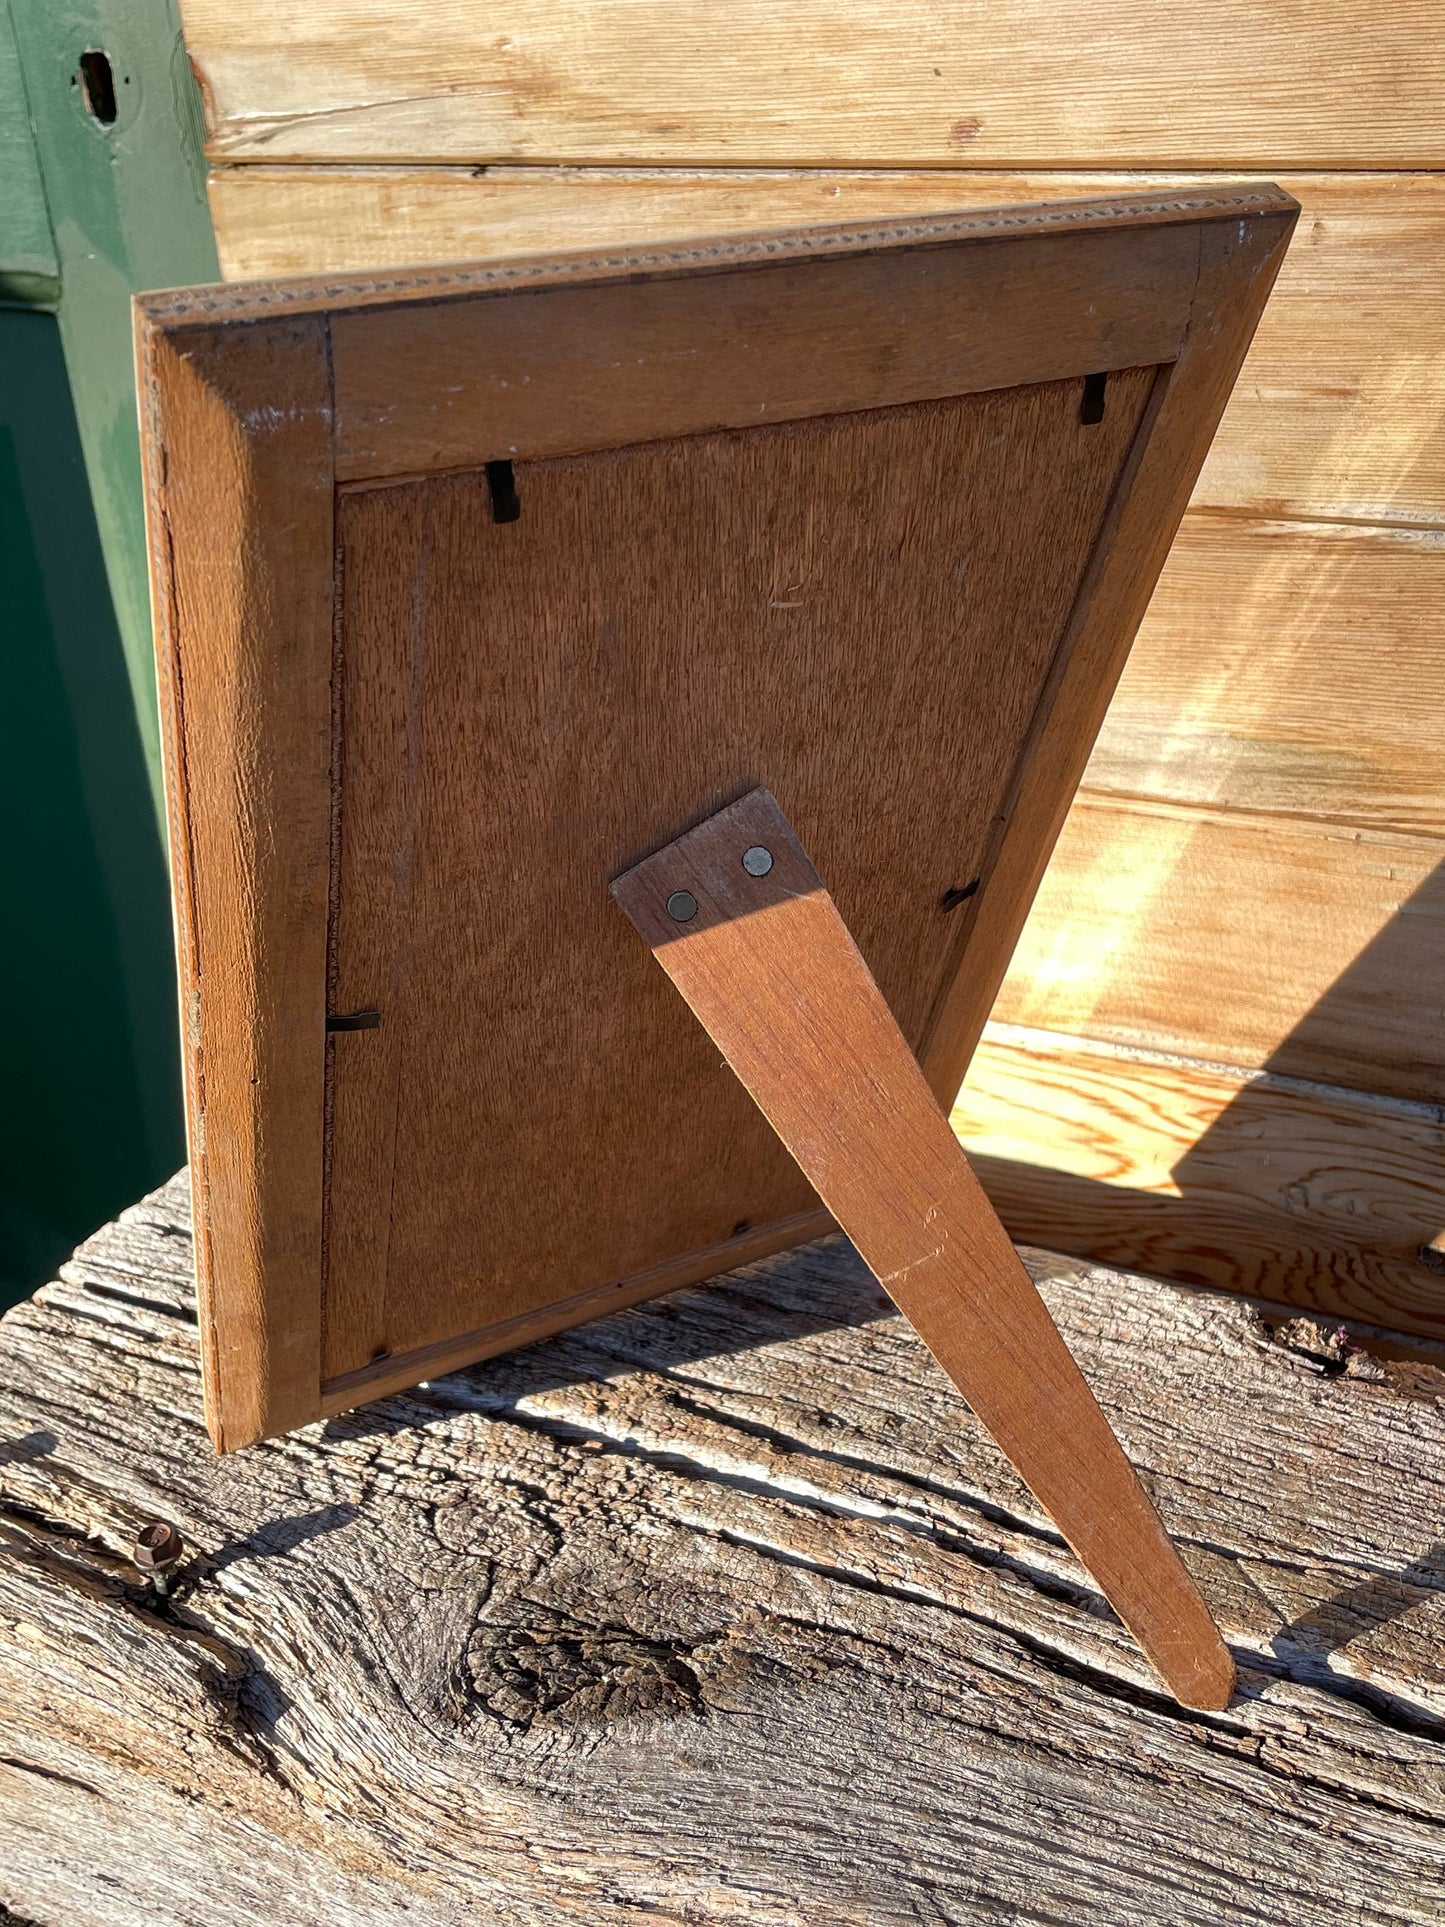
1318 1196
919 82
1337 412
1288 666
1311 948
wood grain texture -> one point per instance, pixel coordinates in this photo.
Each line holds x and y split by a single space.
1306 1193
768 968
1311 949
870 320
239 515
662 628
828 83
1337 412
724 1611
1340 411
1289 668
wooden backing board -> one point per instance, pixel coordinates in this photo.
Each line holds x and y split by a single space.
826 511
660 626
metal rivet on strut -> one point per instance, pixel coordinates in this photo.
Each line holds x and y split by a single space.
757 861
682 906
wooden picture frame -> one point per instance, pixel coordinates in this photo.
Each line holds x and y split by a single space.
321 454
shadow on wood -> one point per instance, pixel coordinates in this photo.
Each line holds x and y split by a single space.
1318 1195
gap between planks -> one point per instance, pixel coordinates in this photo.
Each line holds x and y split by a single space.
1054 1042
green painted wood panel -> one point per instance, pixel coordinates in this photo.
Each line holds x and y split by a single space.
88 1073
29 267
103 195
127 204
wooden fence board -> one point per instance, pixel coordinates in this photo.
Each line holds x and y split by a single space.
1321 1197
917 82
1289 667
1313 949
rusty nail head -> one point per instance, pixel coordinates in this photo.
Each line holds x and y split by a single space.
157 1546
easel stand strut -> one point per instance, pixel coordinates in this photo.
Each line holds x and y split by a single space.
739 919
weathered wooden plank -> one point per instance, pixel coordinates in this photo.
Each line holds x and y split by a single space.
1312 949
1336 411
720 1610
1320 1197
835 81
1288 667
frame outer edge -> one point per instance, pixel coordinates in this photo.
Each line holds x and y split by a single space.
149 356
241 537
201 307
1238 261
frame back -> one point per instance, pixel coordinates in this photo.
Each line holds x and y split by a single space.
473 587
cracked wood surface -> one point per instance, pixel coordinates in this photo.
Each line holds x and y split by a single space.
723 1609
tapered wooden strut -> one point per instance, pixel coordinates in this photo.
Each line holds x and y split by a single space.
739 919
